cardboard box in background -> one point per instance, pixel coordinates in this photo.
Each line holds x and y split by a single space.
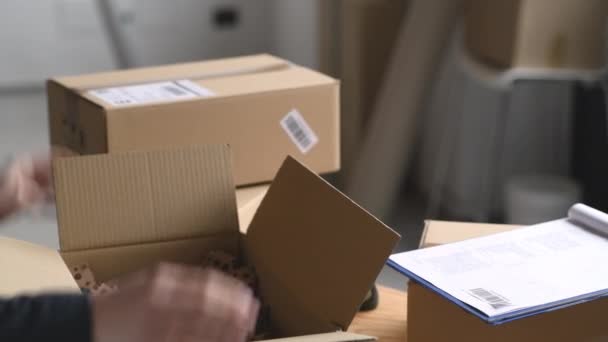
569 34
434 318
264 107
437 233
125 211
358 53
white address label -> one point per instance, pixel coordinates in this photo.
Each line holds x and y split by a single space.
151 93
299 131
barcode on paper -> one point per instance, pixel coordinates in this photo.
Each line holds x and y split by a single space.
299 131
495 300
175 91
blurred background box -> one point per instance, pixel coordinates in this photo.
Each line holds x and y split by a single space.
357 38
567 34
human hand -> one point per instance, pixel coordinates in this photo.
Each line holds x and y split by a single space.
25 183
178 304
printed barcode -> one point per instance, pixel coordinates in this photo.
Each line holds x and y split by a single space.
175 91
298 133
495 300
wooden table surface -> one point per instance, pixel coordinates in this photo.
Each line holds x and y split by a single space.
388 321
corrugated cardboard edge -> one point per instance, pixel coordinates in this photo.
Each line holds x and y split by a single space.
120 199
329 337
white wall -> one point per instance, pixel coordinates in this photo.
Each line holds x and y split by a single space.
49 37
161 31
56 37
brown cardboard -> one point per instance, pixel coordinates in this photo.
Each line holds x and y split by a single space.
427 310
252 95
248 200
124 199
30 269
567 34
362 35
442 232
305 240
317 237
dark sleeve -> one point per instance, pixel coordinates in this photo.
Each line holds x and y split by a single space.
62 318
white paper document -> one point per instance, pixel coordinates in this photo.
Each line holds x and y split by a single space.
521 272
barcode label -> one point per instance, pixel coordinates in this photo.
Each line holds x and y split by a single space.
151 93
299 131
495 300
175 91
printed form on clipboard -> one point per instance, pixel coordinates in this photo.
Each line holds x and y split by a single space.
520 273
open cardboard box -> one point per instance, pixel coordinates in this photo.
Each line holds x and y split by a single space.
315 252
244 102
38 260
431 317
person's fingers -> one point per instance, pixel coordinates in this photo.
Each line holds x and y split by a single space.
223 306
150 277
41 171
203 328
28 179
208 328
233 335
253 316
136 280
237 308
27 191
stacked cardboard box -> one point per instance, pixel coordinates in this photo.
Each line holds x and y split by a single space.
428 310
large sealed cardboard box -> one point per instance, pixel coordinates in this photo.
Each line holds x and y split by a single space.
125 211
431 317
569 34
264 107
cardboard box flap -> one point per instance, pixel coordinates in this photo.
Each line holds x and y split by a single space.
137 197
443 232
30 269
194 71
329 337
310 242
